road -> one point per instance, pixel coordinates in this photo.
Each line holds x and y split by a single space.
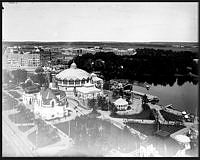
21 149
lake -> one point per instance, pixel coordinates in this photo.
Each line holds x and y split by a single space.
184 97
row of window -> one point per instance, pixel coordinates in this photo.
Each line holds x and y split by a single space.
71 82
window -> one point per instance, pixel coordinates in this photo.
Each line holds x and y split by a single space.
71 82
83 81
77 81
65 81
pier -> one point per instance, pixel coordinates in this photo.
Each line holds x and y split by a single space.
150 97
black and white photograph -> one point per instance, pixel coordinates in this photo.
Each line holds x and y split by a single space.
100 79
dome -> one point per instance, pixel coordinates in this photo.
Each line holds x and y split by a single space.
73 73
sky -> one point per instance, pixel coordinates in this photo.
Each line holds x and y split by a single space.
102 21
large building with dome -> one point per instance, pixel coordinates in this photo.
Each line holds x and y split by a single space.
72 78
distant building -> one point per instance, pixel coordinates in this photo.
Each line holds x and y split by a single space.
15 58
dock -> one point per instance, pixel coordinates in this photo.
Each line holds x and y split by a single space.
150 97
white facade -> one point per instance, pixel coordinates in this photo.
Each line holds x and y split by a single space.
121 104
51 110
12 61
28 100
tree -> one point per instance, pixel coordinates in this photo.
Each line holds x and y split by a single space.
113 109
39 70
6 76
20 75
92 103
102 103
144 99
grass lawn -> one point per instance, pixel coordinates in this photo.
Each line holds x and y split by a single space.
24 128
170 116
167 147
43 138
171 128
21 117
150 129
8 102
147 129
89 139
15 94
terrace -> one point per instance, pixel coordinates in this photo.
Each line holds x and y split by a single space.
15 94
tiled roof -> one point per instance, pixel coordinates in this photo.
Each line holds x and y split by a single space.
32 89
49 94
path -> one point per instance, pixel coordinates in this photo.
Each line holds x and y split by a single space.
19 141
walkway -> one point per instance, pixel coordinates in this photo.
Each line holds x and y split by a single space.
17 138
150 97
140 121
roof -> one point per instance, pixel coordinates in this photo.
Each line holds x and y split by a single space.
88 84
121 101
88 90
59 92
93 75
73 73
96 79
47 96
32 89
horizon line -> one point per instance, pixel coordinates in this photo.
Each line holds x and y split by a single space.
103 41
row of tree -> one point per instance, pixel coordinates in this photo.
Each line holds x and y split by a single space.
146 63
20 75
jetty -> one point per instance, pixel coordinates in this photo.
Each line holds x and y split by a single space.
150 97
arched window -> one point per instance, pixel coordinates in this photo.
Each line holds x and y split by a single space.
65 81
83 81
71 82
30 101
77 81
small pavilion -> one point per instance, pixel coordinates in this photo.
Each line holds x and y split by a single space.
121 104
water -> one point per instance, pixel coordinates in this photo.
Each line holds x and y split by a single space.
184 97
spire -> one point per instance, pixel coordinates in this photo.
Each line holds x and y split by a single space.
73 65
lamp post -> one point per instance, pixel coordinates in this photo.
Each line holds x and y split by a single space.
69 128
